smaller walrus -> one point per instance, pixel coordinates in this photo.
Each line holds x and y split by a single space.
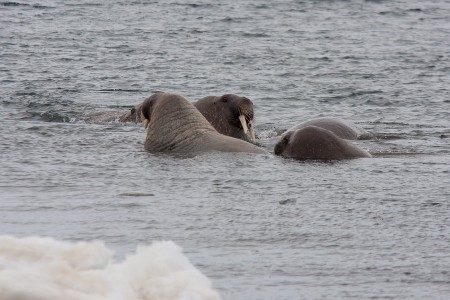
342 128
175 125
312 142
134 115
230 115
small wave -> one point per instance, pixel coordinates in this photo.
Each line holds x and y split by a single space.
322 58
16 4
414 10
401 12
379 102
136 194
26 93
119 90
12 4
367 92
198 31
288 201
48 116
193 5
387 154
44 268
389 136
233 20
256 35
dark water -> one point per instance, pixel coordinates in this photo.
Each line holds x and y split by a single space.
260 227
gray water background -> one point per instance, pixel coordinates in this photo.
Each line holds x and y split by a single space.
260 227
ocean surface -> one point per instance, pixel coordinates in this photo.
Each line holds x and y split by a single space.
82 196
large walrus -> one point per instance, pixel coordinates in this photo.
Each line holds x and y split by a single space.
229 114
175 125
312 142
342 128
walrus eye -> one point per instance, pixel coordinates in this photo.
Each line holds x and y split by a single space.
133 111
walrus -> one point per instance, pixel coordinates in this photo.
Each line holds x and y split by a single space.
342 128
174 125
230 115
312 142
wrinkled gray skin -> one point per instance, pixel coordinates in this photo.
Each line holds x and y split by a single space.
342 128
313 142
230 115
174 125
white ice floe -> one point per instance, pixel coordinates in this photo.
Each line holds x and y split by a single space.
37 268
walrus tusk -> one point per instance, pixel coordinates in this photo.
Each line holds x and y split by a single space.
252 131
146 121
244 123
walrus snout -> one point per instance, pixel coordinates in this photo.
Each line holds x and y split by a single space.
230 115
246 117
281 145
127 117
278 149
124 117
133 115
248 128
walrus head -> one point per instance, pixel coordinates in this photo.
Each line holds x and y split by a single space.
242 115
134 115
229 114
282 144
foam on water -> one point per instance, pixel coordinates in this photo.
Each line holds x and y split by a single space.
36 268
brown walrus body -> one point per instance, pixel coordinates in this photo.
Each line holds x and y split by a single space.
342 128
230 115
175 125
313 142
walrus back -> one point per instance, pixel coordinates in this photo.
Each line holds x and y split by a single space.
342 128
175 127
314 142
